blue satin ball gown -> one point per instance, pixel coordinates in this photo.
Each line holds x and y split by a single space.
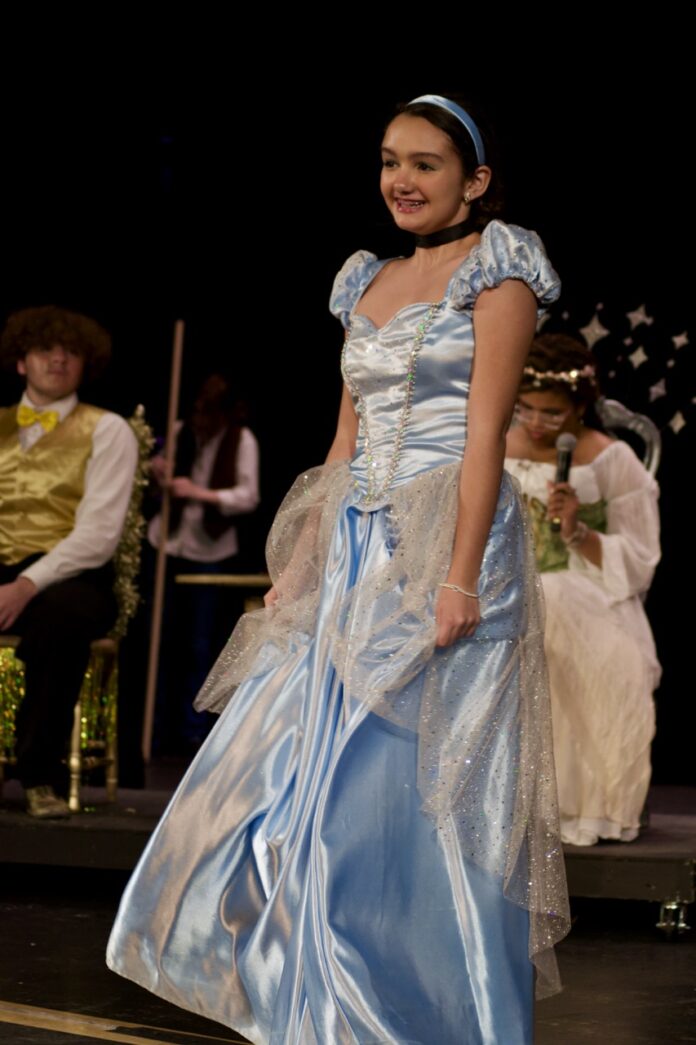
366 850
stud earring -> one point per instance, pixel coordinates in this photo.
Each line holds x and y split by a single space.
467 198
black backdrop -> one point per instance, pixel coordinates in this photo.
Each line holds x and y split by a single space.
163 182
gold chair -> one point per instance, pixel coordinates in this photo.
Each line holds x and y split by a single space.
94 737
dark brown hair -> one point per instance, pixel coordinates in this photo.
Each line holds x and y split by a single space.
47 326
560 354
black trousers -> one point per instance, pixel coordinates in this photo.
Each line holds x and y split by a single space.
196 623
56 630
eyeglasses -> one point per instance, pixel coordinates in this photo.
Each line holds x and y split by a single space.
525 415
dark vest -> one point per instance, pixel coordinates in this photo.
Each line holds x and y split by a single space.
224 475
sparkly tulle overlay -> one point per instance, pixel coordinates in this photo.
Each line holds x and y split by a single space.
366 848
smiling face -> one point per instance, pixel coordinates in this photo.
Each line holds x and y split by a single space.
51 373
423 180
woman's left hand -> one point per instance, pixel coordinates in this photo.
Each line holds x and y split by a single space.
563 504
271 598
457 616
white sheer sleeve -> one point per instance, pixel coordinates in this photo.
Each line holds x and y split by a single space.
631 545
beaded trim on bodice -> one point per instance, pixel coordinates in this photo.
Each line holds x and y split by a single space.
375 492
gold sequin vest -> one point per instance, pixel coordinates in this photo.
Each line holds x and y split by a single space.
41 489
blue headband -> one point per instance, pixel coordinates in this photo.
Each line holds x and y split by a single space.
461 115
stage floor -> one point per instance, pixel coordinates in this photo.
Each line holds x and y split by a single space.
625 983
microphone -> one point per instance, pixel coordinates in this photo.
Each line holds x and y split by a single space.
565 444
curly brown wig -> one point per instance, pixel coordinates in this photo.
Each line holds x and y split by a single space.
48 325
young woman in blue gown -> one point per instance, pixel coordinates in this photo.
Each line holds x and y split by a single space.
366 848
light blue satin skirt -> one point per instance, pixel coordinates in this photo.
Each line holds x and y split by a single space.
294 889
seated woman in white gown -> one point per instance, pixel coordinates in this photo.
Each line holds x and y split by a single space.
366 848
595 570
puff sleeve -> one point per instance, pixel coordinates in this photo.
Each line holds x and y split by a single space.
356 273
631 545
505 252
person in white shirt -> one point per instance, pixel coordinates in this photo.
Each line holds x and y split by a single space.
215 481
66 472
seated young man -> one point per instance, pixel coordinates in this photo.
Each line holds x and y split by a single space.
66 471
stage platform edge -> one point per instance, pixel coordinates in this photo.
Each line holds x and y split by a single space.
659 867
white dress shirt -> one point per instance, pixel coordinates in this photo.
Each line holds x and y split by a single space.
102 511
191 541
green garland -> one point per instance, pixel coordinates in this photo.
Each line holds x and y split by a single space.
128 554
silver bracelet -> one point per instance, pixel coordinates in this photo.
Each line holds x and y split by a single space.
578 535
455 587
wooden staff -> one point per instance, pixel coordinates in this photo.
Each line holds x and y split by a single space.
160 571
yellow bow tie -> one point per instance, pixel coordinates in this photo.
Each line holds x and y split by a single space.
27 415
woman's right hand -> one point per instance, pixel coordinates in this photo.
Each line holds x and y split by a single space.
563 504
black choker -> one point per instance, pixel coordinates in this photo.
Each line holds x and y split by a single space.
448 235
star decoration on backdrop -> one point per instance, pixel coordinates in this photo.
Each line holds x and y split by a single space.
639 316
639 356
651 373
594 331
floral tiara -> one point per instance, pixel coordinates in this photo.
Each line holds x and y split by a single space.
569 377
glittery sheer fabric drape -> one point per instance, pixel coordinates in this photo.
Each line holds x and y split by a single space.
366 848
479 709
